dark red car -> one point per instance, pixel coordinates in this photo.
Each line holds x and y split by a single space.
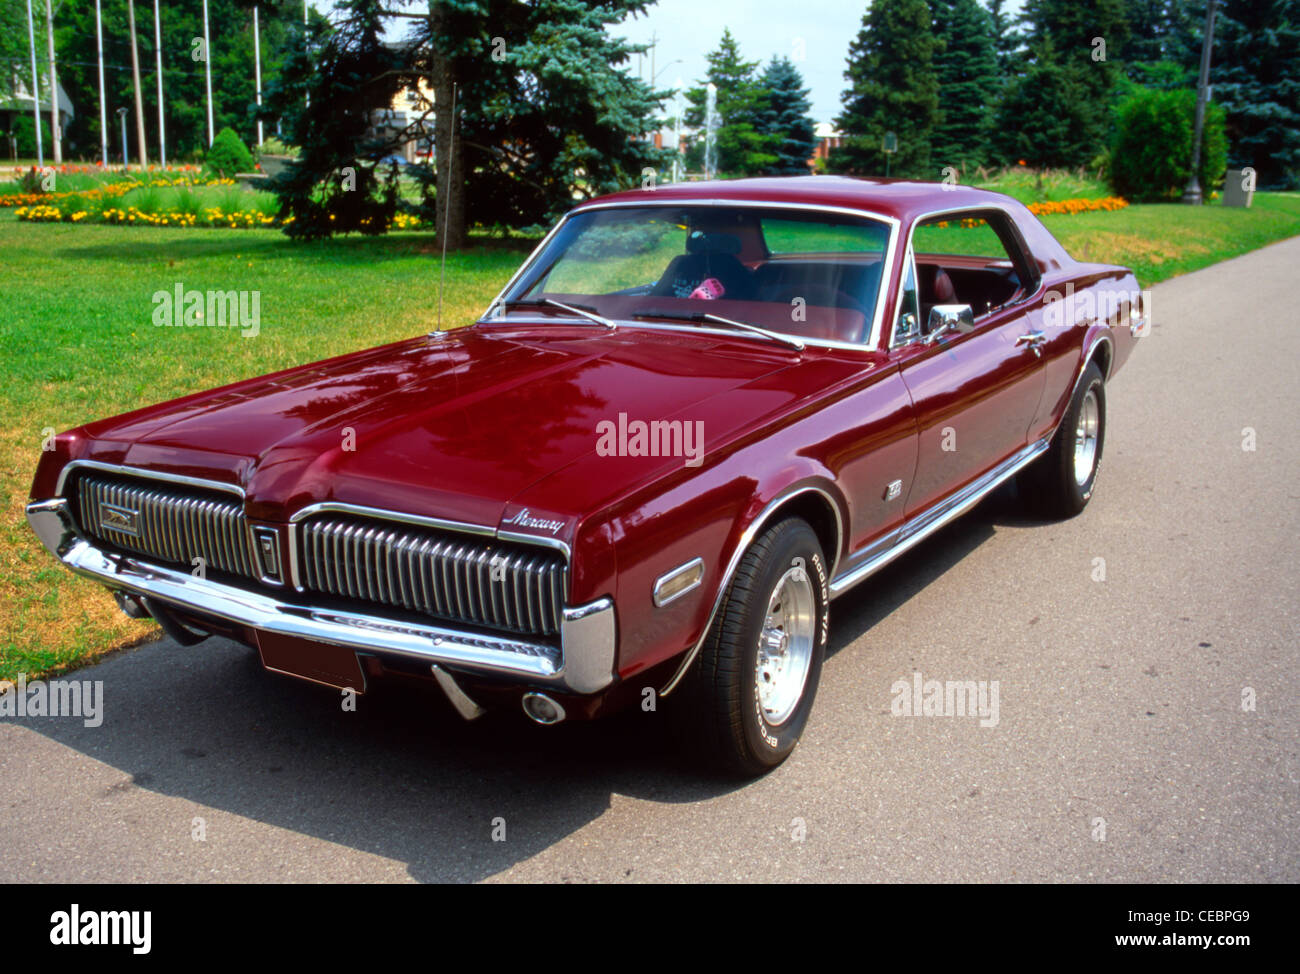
695 416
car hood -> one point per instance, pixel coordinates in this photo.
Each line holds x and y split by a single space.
453 426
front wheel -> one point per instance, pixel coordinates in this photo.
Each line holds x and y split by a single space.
744 704
1060 483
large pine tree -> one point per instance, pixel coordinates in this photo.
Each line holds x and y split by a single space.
1255 76
1086 42
743 150
784 118
966 68
892 88
1007 40
545 110
1044 118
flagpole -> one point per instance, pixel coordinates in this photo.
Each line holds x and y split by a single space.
103 107
56 133
157 47
36 87
207 71
257 69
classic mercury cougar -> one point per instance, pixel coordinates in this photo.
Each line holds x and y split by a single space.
695 416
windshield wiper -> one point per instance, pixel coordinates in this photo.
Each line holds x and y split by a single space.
776 336
582 310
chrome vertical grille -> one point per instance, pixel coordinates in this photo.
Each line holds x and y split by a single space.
456 577
167 523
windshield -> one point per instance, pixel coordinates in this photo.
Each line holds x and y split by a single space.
803 273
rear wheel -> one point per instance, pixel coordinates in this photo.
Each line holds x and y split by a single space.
744 704
1060 483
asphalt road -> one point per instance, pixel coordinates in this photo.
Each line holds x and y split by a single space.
1122 750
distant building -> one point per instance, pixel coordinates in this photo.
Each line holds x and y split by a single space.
406 112
19 105
828 137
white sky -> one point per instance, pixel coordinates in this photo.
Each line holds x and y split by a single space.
819 30
689 29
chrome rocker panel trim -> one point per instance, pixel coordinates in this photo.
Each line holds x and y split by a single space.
881 553
876 556
584 663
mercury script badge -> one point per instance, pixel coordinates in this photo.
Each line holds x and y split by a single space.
524 519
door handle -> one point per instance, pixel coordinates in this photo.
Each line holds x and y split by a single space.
1035 340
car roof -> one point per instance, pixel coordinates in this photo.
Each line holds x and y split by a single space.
902 199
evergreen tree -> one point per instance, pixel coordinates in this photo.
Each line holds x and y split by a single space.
785 119
1043 117
966 68
1156 56
892 88
1007 40
335 185
1087 41
14 62
742 148
1255 76
532 108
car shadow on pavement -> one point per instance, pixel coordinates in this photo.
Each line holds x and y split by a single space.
402 776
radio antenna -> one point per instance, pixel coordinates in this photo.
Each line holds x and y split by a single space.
446 210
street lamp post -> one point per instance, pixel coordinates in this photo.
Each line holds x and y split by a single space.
1192 194
121 113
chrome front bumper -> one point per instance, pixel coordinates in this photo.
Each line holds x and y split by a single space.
583 662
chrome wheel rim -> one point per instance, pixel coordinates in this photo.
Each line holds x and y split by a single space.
1085 438
785 646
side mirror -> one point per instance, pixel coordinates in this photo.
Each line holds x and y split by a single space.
949 317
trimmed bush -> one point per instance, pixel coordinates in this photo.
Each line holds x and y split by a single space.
228 154
1151 157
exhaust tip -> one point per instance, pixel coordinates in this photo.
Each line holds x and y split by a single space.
542 709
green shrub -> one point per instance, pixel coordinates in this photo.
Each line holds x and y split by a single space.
228 154
24 135
277 147
1151 157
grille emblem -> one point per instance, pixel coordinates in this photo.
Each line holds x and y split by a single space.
115 517
268 552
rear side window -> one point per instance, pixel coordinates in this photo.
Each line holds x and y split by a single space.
792 236
967 236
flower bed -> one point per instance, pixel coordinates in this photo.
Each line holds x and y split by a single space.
112 190
133 216
1060 207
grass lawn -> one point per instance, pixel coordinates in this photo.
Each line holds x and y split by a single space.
78 344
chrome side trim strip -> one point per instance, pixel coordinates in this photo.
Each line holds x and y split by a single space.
582 663
125 471
929 521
